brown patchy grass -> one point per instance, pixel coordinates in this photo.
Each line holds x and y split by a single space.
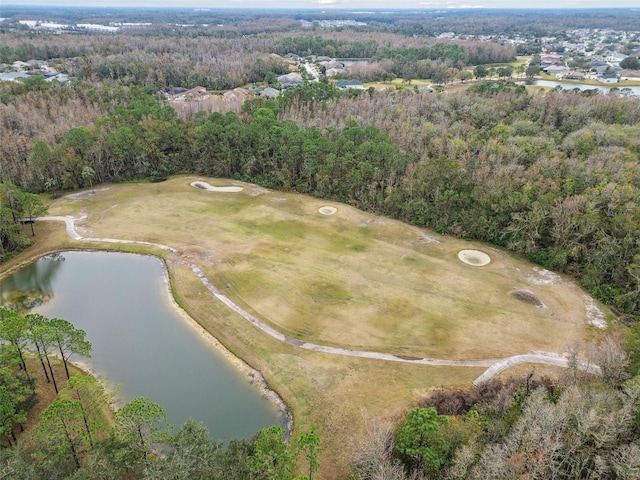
351 280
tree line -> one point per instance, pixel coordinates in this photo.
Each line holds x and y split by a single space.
17 208
553 176
156 61
31 334
575 426
228 22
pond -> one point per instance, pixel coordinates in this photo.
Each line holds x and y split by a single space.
354 62
581 86
140 341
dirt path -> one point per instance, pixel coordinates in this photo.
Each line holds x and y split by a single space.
495 366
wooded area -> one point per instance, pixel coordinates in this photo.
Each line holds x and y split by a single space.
551 175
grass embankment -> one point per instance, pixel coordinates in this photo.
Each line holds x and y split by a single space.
351 280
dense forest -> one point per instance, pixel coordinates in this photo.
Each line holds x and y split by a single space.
551 175
158 61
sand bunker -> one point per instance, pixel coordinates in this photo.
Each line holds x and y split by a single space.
475 258
326 210
211 188
527 296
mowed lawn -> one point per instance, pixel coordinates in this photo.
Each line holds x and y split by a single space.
350 279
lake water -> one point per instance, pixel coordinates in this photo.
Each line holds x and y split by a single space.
354 62
140 341
570 86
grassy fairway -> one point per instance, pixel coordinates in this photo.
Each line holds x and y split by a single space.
351 280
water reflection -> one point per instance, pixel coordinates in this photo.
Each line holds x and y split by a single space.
33 286
622 91
141 342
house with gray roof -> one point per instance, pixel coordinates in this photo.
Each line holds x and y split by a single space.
608 78
269 92
349 84
557 70
13 76
633 75
58 77
290 80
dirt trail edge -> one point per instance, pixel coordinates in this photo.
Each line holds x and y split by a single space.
495 366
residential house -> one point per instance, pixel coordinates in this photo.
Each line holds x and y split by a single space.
547 61
615 57
236 95
551 59
172 91
269 92
194 94
19 66
332 64
574 76
13 76
332 72
557 70
633 75
290 80
349 84
608 78
58 77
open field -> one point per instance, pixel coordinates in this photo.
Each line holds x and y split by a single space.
347 279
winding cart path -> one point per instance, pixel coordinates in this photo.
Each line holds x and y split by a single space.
494 366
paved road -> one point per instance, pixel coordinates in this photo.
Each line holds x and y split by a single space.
311 71
494 366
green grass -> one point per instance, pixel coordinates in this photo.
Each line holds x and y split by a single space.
351 280
349 271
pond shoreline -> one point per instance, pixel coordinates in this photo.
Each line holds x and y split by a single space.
254 376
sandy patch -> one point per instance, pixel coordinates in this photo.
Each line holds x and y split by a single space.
595 316
327 210
475 258
543 277
255 191
211 188
84 193
423 237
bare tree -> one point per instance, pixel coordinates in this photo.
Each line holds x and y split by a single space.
371 453
626 462
610 355
572 373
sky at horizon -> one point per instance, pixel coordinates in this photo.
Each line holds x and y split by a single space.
336 4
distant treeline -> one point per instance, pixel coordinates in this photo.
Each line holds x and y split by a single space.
458 53
223 62
409 22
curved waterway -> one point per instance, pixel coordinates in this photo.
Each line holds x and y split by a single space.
603 89
140 341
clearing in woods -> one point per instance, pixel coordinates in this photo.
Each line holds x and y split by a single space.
329 274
